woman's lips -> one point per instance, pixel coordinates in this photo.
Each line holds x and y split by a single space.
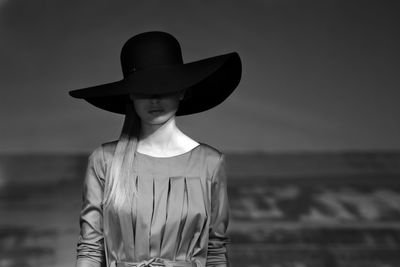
155 111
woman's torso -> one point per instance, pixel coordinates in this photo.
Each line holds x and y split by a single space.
171 215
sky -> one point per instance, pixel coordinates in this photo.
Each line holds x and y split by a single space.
317 75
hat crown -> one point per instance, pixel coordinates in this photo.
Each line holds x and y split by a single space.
150 50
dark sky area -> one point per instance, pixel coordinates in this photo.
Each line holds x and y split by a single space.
317 75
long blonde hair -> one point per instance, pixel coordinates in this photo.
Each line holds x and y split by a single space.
120 177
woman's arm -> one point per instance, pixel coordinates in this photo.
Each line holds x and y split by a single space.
90 245
218 238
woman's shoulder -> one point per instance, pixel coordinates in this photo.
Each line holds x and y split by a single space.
210 151
213 159
108 149
103 152
212 156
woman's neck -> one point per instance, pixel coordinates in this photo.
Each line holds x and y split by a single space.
159 137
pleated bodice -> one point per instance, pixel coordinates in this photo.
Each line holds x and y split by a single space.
180 214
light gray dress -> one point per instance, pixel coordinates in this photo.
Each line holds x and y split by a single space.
179 219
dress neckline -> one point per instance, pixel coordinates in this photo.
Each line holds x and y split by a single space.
170 157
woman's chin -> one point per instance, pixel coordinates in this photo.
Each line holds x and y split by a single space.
159 119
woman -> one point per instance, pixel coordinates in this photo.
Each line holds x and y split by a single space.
156 197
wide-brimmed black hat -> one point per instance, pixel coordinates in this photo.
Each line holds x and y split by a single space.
152 64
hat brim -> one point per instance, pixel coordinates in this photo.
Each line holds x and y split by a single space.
209 82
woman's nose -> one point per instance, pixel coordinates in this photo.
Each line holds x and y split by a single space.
155 99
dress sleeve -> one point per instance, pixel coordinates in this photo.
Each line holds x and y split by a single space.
218 238
90 245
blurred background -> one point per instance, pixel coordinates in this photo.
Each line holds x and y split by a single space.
311 133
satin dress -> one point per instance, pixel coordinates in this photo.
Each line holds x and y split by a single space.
180 217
